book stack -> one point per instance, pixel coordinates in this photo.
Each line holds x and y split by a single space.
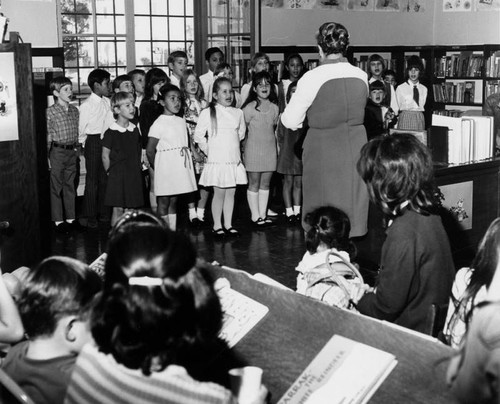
469 139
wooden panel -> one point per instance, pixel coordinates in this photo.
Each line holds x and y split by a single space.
18 174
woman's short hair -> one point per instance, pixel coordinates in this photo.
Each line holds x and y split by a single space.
333 38
58 287
396 169
157 307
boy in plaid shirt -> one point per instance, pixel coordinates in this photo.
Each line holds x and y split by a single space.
62 146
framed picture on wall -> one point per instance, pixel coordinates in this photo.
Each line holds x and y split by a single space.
8 103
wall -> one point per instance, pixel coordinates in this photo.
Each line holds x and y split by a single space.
281 27
36 21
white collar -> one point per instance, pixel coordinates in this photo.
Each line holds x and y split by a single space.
115 126
413 84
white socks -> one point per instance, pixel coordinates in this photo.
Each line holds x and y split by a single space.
253 203
200 213
296 210
192 214
289 212
263 199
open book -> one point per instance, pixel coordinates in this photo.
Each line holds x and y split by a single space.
344 371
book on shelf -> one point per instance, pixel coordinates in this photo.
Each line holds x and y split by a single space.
461 92
470 137
463 64
491 87
493 65
344 371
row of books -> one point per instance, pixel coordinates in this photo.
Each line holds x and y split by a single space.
492 68
463 64
458 92
449 112
468 139
491 87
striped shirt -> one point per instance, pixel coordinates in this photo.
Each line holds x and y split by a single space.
62 124
98 378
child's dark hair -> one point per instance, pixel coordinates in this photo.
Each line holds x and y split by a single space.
157 306
396 169
258 78
136 72
177 54
56 288
289 92
153 77
210 51
185 75
59 82
97 76
377 85
415 62
167 88
376 58
213 113
122 78
220 68
389 72
329 226
291 56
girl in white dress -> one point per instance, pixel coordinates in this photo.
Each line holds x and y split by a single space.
219 132
169 155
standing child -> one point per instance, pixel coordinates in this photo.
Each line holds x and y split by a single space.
329 233
124 83
225 70
294 66
411 97
213 57
121 158
169 155
194 104
290 165
63 150
260 155
376 67
258 63
138 77
223 170
177 63
378 118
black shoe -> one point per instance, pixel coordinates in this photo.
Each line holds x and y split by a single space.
76 227
218 234
292 219
261 223
232 232
196 222
63 228
298 219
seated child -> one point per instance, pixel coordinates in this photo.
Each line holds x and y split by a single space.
155 325
54 305
378 118
329 232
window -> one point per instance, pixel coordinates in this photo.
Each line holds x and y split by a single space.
118 35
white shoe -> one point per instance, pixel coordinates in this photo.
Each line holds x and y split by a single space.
271 213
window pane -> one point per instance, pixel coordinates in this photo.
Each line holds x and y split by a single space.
159 27
120 6
160 53
70 45
142 28
82 78
176 7
121 53
176 29
189 7
106 53
120 25
159 7
216 9
84 24
68 24
72 74
190 52
189 29
105 24
217 26
142 53
67 6
141 7
104 6
86 54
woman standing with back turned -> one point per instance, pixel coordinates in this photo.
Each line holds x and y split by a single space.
333 96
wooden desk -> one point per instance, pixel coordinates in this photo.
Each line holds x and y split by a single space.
297 327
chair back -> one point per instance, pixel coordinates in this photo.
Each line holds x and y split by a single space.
436 318
10 392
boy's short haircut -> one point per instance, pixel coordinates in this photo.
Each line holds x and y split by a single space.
119 97
210 51
177 54
376 58
122 78
59 82
377 85
97 76
56 288
136 72
389 72
221 67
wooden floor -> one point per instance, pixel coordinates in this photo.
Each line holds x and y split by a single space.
274 251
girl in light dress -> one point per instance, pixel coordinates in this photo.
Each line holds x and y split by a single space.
169 155
225 126
194 103
260 156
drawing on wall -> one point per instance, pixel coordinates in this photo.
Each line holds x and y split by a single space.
307 4
412 6
456 5
486 5
8 105
360 5
387 5
457 199
331 4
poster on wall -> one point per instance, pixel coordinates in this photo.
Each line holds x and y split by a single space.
360 5
387 5
412 6
457 199
486 5
8 104
456 5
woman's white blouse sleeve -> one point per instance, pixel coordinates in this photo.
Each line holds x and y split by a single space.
295 111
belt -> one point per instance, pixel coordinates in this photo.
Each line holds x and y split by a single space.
65 146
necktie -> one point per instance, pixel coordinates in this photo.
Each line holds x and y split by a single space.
415 94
